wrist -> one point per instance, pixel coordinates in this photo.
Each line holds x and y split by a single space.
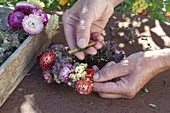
162 60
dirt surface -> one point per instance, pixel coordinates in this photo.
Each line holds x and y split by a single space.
35 96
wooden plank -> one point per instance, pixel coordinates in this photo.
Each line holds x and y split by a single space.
19 64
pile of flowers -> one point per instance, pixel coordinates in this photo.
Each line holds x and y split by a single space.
60 66
27 17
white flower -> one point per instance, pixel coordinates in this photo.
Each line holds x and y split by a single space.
32 24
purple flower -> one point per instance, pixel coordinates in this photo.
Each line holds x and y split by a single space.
15 19
24 7
47 77
41 13
64 72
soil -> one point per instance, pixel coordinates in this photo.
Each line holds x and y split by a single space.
34 96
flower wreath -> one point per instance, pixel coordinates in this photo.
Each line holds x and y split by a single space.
60 66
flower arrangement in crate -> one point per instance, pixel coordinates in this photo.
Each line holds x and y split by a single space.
24 20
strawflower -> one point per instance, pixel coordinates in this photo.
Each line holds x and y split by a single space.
64 73
47 77
24 7
40 13
15 19
32 24
84 86
47 59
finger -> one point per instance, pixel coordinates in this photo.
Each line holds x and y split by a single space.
109 64
95 68
111 72
98 45
108 87
91 51
97 37
104 95
84 27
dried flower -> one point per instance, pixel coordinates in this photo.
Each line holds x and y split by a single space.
32 24
64 72
52 26
47 77
47 60
84 86
15 19
90 72
144 13
24 7
40 13
139 6
37 3
63 2
167 15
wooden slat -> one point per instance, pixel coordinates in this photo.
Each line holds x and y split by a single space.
19 64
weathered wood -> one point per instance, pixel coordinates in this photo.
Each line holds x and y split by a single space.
19 64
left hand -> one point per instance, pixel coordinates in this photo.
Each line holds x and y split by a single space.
133 73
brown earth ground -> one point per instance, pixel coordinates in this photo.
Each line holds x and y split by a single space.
35 96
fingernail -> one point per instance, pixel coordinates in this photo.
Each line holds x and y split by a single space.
96 76
81 42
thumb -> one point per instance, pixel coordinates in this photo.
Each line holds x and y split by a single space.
111 72
83 31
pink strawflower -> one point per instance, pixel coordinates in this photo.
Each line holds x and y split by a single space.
15 19
41 13
64 72
24 7
32 24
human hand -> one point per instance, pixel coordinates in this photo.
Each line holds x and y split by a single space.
133 73
87 18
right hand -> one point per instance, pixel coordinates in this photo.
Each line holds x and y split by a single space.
80 24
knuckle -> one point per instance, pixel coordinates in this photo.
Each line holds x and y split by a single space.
106 73
130 93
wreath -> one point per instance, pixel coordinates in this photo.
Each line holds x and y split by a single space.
61 66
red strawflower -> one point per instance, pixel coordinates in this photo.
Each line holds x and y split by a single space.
47 60
90 72
167 14
84 86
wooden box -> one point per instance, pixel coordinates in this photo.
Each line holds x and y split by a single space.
19 64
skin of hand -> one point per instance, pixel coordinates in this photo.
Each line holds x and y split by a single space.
80 24
133 73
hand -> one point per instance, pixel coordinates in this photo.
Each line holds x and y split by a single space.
80 24
133 73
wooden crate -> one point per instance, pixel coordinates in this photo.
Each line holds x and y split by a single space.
19 64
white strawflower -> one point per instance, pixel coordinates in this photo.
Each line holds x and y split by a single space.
32 24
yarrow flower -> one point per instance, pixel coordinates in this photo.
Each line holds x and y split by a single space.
139 6
47 59
52 26
32 24
37 3
167 15
63 2
15 19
